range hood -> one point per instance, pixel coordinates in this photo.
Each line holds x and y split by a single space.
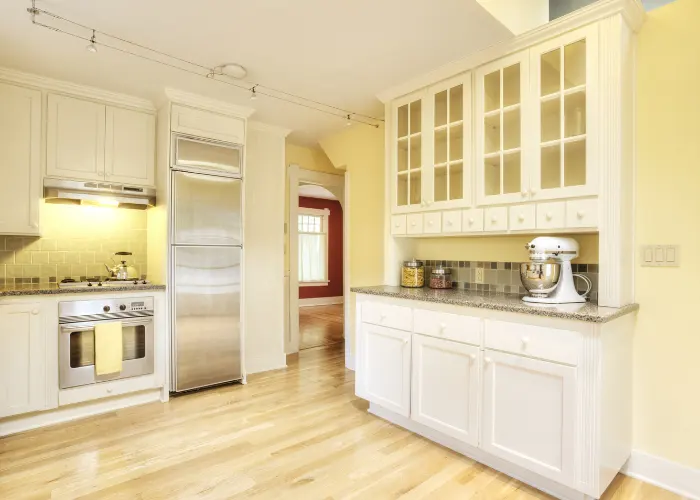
98 193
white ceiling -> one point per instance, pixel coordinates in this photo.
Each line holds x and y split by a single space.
315 191
340 52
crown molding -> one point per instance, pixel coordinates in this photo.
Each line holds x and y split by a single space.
63 87
197 101
631 10
269 129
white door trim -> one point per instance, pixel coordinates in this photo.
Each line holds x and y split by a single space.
335 184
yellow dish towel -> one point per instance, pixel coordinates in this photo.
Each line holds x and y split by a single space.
108 348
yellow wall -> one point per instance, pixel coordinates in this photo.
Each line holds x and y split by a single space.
77 241
667 339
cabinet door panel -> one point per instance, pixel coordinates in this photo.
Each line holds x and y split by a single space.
408 154
206 124
130 147
75 141
22 359
384 370
529 414
445 387
20 167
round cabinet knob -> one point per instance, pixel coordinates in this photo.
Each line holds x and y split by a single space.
106 309
397 225
580 214
35 311
524 194
443 326
448 222
413 223
533 192
549 215
405 341
494 219
430 223
35 225
472 357
526 340
521 217
382 317
471 220
487 360
109 391
122 307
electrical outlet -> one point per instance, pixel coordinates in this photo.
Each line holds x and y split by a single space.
479 275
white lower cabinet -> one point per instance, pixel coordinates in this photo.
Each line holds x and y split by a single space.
445 387
529 414
384 367
22 359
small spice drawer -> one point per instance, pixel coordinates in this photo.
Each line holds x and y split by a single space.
452 221
551 215
464 329
398 224
496 219
521 217
473 220
388 315
562 346
414 224
582 213
432 223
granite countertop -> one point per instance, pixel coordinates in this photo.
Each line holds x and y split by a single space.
52 289
589 311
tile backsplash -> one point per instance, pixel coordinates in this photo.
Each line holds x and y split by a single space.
503 277
76 243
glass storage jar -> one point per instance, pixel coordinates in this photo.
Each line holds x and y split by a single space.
413 274
441 278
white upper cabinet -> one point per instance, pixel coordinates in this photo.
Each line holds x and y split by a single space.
201 123
501 112
75 141
130 147
94 142
564 81
408 152
20 167
449 138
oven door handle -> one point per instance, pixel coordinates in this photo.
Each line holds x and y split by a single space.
84 327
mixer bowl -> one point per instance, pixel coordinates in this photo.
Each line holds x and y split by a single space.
540 279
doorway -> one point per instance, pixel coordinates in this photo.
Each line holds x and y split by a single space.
318 264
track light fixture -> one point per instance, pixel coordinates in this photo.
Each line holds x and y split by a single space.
253 95
92 47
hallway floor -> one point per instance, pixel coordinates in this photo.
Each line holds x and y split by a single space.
320 325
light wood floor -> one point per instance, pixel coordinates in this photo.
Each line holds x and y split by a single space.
298 433
320 325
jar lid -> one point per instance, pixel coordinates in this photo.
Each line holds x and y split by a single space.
441 271
413 263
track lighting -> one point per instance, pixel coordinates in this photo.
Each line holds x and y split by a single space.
92 47
253 94
348 121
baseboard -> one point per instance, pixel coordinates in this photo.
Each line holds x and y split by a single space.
265 363
21 423
320 301
671 476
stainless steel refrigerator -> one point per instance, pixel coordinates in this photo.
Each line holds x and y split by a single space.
206 250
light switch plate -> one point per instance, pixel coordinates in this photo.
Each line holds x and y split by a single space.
660 255
479 275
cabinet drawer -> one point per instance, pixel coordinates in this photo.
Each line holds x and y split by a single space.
473 220
536 341
521 217
449 326
551 215
582 213
432 223
414 224
388 315
206 124
452 221
398 224
496 219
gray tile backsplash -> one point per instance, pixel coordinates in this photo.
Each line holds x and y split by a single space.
503 277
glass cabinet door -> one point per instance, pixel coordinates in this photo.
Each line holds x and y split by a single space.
409 151
501 90
450 141
564 84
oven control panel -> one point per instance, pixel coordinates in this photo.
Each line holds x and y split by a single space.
136 306
72 311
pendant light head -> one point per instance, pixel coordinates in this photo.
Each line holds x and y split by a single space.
92 48
348 121
253 94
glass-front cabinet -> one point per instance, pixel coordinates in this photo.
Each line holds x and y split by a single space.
564 87
450 142
501 98
408 153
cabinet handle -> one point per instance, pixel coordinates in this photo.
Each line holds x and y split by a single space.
524 194
533 192
448 222
430 223
487 360
35 311
471 220
108 175
382 317
397 224
109 391
405 341
494 219
521 217
549 216
443 326
35 224
413 223
580 214
526 340
472 357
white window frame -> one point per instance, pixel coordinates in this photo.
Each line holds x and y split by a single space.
324 213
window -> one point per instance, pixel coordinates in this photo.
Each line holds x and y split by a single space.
313 247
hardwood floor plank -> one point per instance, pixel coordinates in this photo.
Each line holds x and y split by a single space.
320 325
297 433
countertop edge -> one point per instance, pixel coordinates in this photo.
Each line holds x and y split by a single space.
530 310
76 291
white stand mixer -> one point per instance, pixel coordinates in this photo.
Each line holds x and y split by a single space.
548 277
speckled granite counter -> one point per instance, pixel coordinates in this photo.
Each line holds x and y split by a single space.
588 311
52 289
